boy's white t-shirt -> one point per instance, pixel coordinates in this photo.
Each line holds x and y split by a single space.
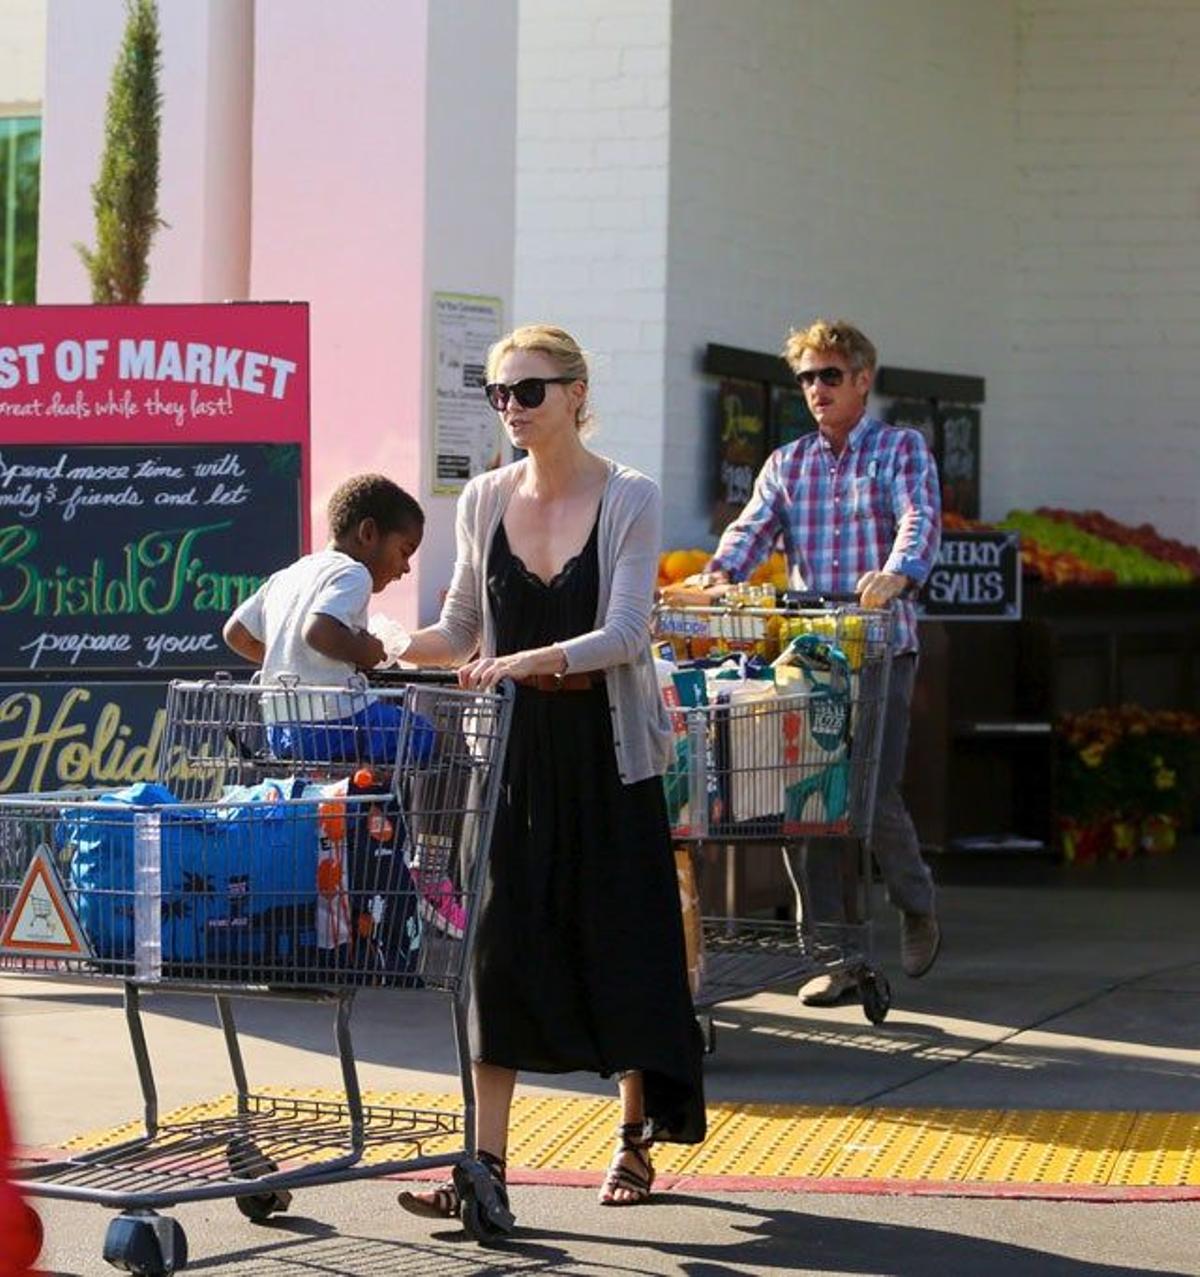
329 582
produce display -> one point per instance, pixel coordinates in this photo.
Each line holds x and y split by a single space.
1144 537
1062 547
1128 564
676 565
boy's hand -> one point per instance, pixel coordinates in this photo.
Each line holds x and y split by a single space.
373 651
327 635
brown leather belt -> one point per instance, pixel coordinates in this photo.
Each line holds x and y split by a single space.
562 682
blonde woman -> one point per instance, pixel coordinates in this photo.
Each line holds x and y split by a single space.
579 958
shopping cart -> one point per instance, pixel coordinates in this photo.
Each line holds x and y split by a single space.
281 857
778 717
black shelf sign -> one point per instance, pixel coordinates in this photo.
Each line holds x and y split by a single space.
977 577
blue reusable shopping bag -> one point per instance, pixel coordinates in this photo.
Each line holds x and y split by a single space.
227 868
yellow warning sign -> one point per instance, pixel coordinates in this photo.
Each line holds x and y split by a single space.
41 924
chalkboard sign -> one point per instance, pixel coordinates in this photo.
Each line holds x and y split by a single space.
79 735
977 577
741 448
85 735
958 458
790 417
128 558
916 414
952 432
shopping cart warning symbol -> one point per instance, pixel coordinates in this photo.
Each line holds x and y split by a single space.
41 923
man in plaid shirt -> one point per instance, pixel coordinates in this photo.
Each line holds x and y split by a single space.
857 509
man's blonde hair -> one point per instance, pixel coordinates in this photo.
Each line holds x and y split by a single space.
546 339
825 336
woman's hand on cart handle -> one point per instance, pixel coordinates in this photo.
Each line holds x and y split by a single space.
878 589
485 672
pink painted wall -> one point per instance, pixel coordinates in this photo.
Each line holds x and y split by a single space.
337 220
204 171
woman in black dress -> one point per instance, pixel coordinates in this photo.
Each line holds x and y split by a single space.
579 958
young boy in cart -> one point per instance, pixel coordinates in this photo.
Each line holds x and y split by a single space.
309 621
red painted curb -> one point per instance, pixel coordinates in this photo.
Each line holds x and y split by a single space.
716 1185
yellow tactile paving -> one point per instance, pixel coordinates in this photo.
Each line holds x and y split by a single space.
944 1146
931 1145
1162 1149
1064 1147
771 1139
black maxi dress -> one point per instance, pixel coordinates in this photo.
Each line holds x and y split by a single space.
579 951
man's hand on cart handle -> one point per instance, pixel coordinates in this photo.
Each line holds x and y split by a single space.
706 580
878 589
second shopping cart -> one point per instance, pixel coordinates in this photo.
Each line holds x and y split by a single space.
777 715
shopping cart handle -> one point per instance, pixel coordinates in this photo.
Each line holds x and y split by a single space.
403 677
795 600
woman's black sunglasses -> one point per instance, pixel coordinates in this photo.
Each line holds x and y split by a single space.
830 376
529 392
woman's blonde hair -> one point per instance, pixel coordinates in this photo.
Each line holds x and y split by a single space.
558 345
823 336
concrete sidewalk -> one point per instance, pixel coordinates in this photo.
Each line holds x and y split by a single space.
1070 989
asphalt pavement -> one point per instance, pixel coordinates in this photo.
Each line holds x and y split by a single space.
1059 989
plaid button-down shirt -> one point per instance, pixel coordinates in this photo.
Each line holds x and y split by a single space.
876 506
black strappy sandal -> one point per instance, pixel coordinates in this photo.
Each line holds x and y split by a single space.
635 1138
486 1198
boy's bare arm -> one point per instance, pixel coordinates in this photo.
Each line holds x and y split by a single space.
239 638
331 638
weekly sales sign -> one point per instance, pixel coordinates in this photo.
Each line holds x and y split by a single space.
153 472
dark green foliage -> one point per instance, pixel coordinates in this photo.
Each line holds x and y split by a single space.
20 161
125 196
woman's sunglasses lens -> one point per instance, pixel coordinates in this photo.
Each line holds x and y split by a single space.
528 393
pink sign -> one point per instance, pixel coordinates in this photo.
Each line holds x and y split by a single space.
225 373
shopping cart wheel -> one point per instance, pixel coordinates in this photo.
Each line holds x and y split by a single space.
248 1161
258 1207
484 1215
142 1242
708 1031
876 995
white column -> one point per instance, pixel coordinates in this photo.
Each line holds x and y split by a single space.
204 169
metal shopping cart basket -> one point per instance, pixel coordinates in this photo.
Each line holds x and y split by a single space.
304 843
778 718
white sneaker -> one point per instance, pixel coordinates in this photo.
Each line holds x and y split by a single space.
830 990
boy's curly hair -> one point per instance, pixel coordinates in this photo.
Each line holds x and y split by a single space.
372 496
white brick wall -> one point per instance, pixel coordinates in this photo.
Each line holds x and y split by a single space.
1006 188
838 159
1106 407
592 159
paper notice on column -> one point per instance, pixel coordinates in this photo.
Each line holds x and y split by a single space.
467 436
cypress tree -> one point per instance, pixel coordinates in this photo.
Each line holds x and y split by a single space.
125 195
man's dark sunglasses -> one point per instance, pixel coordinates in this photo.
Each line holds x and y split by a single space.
529 392
830 376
